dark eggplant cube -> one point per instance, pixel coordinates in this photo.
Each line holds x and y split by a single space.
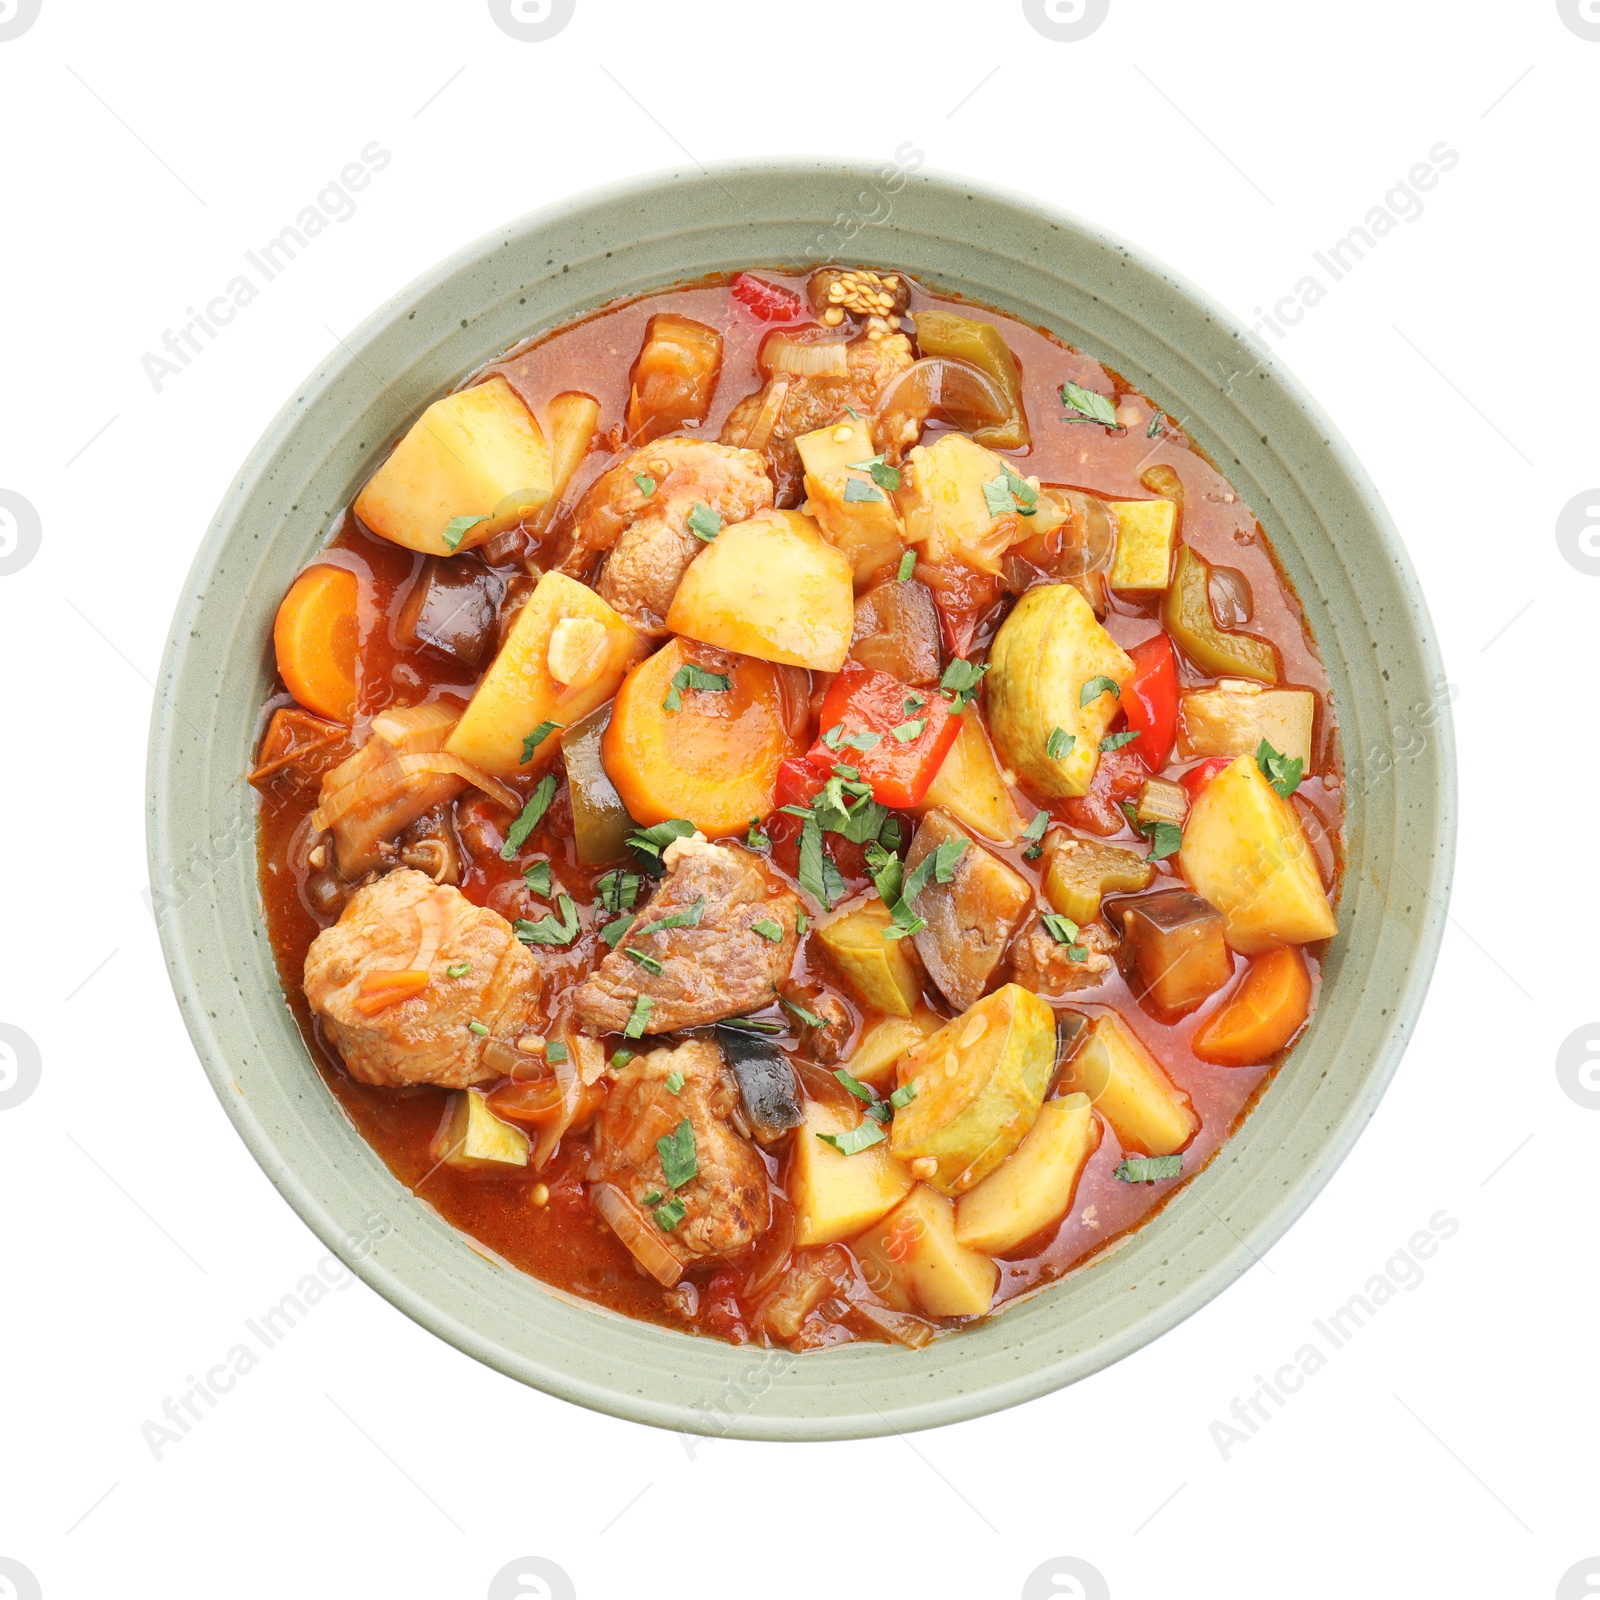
451 607
1173 951
768 1088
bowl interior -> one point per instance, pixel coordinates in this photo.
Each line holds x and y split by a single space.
1331 535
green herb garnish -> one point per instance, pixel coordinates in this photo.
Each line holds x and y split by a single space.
668 1216
1149 1169
620 1058
532 815
1062 929
615 932
647 484
1096 687
537 878
1090 406
1034 832
535 739
1115 741
756 838
688 918
554 1050
854 1085
679 1162
458 969
862 1137
907 731
885 476
1281 771
477 1028
768 930
704 523
903 1096
549 929
648 962
855 490
648 843
809 1018
689 676
455 530
908 565
960 682
642 1007
1166 839
617 890
1060 743
674 1082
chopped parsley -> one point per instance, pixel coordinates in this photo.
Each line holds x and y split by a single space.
818 875
907 731
1096 687
654 1198
1149 1169
751 1025
848 773
1060 743
908 565
477 1028
646 484
801 922
674 1082
862 1137
881 1111
533 740
1062 929
532 815
704 523
1281 771
458 969
855 490
648 843
549 929
455 530
1115 741
1034 833
537 878
1091 407
689 676
648 962
679 1162
898 889
1009 494
903 1096
620 1058
1166 839
885 476
809 1018
615 932
1155 424
960 682
642 1007
756 838
912 704
832 736
617 890
689 918
669 1215
862 739
855 1086
768 930
554 1050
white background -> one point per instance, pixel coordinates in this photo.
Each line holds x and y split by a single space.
1447 1448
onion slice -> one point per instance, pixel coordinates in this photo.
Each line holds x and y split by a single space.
958 391
376 786
766 419
803 358
648 1248
567 1075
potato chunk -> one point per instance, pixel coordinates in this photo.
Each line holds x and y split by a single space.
836 1195
519 693
946 510
913 1258
1145 533
854 513
980 1081
475 453
1245 851
1046 659
1127 1087
770 587
883 1044
881 971
969 786
1233 718
1033 1186
476 1140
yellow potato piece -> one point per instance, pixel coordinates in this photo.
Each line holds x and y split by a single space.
475 453
1034 1185
1145 533
913 1258
881 971
883 1044
477 1140
867 528
1048 651
945 511
980 1081
835 1195
1126 1085
1245 851
519 692
969 786
771 587
1233 718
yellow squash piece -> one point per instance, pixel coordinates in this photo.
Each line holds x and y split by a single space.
1034 1186
1146 532
881 971
836 1196
573 419
883 1044
913 1258
980 1081
862 520
969 786
1127 1087
1245 851
475 453
771 587
519 692
1048 653
945 509
1083 870
476 1140
1233 718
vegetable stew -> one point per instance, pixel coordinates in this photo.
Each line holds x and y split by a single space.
797 808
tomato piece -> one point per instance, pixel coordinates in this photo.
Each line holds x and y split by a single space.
863 703
1150 700
766 301
1196 778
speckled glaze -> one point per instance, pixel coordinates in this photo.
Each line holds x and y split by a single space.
1330 532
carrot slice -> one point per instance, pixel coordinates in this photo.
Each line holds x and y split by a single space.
380 989
1262 1015
315 636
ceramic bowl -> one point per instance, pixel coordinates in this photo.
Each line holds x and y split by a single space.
1000 249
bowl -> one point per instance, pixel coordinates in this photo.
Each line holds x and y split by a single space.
1331 535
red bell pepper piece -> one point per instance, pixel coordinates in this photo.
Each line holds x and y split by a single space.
1196 778
799 783
1150 701
865 703
767 302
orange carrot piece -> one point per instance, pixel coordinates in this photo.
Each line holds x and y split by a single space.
316 636
1262 1015
380 989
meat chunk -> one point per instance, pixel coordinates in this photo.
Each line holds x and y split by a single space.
1043 964
726 1206
718 967
646 536
810 403
970 918
381 980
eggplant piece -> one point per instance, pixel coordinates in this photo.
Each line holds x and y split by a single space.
768 1088
451 607
1173 949
897 631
